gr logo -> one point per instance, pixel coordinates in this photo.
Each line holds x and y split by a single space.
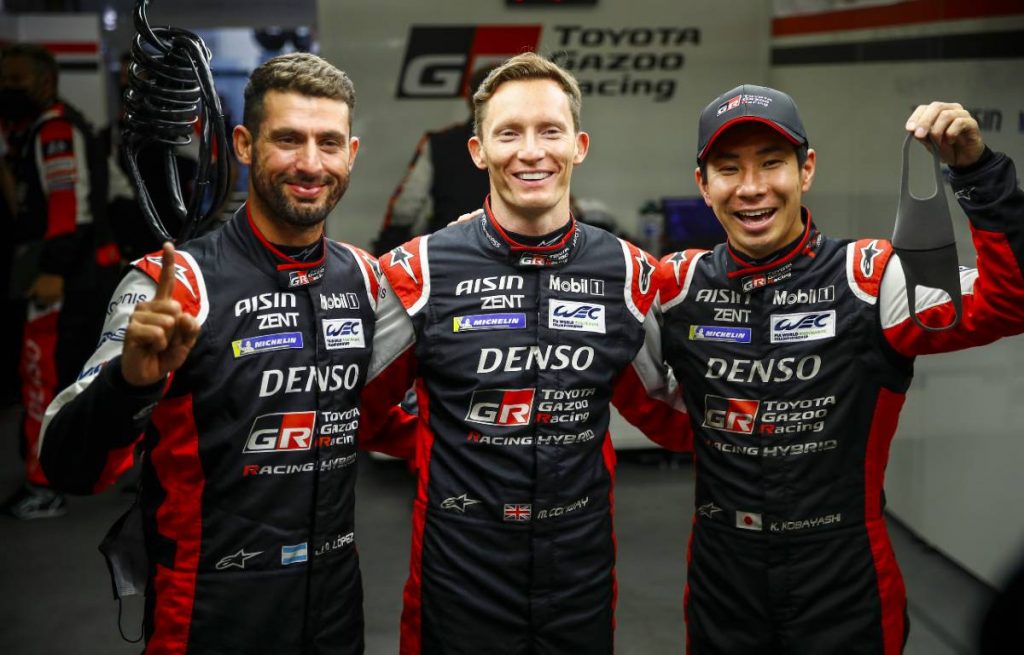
281 432
730 414
506 407
439 60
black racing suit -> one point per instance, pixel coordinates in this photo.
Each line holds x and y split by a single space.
794 373
519 351
248 480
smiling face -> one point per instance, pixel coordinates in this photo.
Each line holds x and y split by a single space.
300 163
754 184
528 146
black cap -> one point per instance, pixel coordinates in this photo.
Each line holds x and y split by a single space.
749 102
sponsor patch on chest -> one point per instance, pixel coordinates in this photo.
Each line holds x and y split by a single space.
343 333
576 316
805 326
266 343
477 322
720 333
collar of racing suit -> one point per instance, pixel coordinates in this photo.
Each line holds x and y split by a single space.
754 274
291 273
522 255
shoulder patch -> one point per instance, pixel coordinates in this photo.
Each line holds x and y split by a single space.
640 287
189 285
408 271
371 270
866 260
675 272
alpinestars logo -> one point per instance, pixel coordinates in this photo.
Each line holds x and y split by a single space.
867 258
400 257
677 260
645 269
440 60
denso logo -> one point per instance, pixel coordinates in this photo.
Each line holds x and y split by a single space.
303 379
730 414
763 370
281 432
504 407
347 300
524 358
489 283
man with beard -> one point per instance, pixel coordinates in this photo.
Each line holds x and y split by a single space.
239 361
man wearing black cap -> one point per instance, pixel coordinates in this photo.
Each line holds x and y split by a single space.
795 352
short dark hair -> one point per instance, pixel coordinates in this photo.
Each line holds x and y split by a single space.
527 66
42 59
298 72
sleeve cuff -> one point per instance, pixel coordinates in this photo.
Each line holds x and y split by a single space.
113 377
986 158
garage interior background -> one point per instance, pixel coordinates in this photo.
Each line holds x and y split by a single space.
855 67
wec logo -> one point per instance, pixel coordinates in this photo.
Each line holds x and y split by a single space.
343 328
576 316
439 60
592 312
343 333
281 432
807 326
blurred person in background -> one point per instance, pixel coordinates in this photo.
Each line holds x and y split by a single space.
442 182
63 257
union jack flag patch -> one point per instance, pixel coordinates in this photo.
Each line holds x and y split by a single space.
518 512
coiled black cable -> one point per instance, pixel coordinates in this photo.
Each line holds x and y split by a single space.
170 87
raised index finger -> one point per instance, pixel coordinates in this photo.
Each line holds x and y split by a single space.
165 285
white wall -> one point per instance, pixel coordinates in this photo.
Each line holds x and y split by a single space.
640 149
955 468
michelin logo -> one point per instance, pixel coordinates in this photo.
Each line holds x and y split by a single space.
719 333
478 322
267 343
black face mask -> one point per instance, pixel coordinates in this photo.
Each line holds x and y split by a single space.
16 105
